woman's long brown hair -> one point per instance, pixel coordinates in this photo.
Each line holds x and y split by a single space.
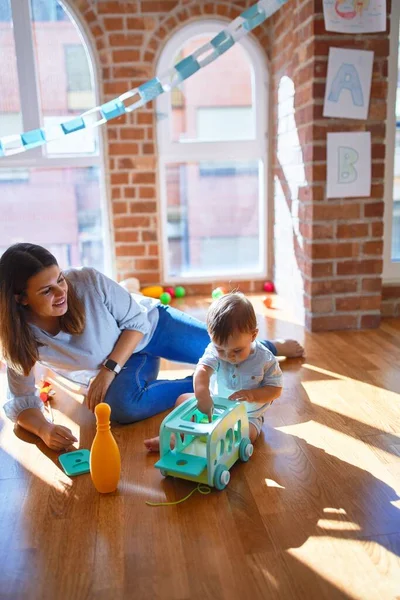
19 347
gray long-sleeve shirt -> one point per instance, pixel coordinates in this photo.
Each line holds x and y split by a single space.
109 310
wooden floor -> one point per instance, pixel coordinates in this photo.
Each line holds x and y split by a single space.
315 514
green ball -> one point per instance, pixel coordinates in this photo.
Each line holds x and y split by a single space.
180 292
217 293
165 298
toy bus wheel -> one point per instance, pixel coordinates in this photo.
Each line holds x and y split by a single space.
163 472
221 477
245 449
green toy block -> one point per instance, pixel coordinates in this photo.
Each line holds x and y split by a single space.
75 463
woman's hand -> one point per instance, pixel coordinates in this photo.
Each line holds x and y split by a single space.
98 388
57 437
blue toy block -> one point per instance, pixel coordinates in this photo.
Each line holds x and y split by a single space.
111 110
73 125
187 67
75 463
32 138
253 17
204 452
222 42
151 89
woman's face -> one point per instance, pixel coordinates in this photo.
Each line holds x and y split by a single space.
46 293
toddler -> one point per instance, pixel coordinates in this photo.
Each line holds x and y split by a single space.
234 365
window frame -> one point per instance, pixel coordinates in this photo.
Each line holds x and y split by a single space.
193 151
29 96
391 269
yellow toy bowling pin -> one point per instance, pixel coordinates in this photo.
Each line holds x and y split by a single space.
105 459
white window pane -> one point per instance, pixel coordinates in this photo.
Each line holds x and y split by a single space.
224 123
10 109
65 76
213 218
81 142
223 88
56 208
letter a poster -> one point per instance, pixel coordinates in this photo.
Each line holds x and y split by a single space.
355 16
348 83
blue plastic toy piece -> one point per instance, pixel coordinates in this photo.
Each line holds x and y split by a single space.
112 109
221 477
204 452
73 125
222 42
151 89
187 67
75 463
32 138
253 16
245 449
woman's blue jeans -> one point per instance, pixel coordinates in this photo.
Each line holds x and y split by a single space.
136 393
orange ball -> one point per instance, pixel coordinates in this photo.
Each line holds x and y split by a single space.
267 301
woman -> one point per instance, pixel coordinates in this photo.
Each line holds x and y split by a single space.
86 326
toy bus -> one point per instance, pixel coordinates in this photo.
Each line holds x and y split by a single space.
192 448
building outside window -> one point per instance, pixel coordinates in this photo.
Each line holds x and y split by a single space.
52 195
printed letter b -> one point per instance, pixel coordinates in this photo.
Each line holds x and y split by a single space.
347 159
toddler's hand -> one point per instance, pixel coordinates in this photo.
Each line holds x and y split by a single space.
205 405
246 395
57 437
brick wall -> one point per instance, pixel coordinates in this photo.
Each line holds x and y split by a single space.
338 244
328 251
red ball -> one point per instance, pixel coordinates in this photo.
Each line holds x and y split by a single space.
269 287
170 291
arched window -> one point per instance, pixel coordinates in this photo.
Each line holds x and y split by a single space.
50 195
212 143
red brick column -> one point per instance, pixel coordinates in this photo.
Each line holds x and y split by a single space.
337 242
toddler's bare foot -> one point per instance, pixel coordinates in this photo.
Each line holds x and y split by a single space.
288 348
253 433
153 444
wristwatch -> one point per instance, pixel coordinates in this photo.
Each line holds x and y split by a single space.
111 365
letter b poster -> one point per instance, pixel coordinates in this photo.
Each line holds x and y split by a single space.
349 165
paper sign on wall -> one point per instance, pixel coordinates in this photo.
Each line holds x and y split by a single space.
355 16
349 165
348 84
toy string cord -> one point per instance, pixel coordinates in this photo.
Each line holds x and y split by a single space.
201 488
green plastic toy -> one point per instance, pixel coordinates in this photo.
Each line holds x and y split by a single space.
75 463
204 452
180 291
165 298
217 293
